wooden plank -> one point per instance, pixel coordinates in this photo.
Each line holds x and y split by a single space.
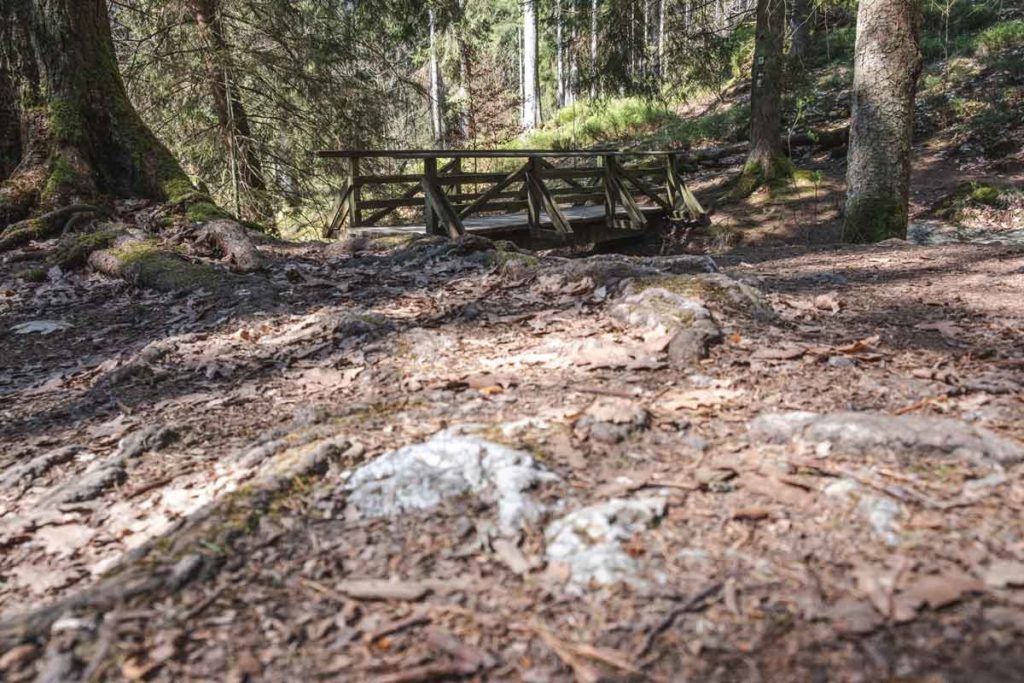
429 180
502 183
408 194
539 192
620 194
393 203
449 179
483 154
339 214
442 210
355 215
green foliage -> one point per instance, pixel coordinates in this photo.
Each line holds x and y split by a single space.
1001 37
740 46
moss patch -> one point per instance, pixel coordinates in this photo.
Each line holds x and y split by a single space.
774 173
73 251
873 219
204 211
36 275
67 125
145 264
64 178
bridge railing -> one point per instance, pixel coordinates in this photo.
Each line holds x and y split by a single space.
539 183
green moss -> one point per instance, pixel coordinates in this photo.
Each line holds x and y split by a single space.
203 211
67 125
147 265
776 173
73 251
873 219
25 232
33 275
986 194
64 178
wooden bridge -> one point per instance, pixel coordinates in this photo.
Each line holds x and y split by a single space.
540 197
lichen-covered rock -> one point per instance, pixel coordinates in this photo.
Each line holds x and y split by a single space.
421 476
691 325
611 269
907 435
717 291
590 541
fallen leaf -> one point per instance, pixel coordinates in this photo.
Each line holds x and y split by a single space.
781 352
935 591
854 617
775 489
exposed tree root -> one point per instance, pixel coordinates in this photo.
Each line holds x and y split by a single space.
232 241
142 262
46 226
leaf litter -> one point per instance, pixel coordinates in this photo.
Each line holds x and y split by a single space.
239 548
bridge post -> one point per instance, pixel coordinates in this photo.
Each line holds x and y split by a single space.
430 217
355 214
608 181
532 200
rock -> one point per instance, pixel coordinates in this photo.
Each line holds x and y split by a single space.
611 420
589 541
714 290
612 269
691 325
421 476
881 512
906 435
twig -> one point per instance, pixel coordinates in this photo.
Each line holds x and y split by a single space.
416 619
694 603
428 672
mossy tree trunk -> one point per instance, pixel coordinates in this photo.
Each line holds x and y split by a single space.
77 135
887 63
766 162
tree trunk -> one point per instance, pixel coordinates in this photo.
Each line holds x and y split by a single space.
559 63
466 117
799 29
436 87
231 115
887 63
531 101
594 91
77 135
766 162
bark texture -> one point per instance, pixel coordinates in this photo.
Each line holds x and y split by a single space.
799 29
531 98
887 64
65 115
766 161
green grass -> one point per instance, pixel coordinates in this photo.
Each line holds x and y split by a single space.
1001 37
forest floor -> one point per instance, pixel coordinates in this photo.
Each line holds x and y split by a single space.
429 460
183 492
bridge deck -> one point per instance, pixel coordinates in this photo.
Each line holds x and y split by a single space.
505 224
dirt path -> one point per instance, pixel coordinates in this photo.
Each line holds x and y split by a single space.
204 451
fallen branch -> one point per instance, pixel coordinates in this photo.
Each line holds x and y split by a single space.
232 241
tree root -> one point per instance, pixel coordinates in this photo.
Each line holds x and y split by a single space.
232 241
143 263
46 226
